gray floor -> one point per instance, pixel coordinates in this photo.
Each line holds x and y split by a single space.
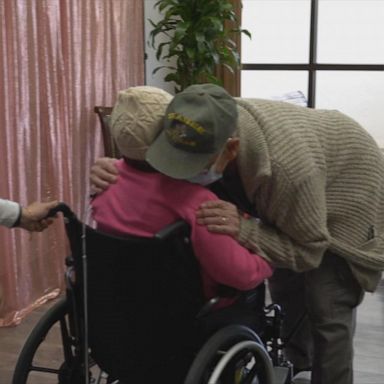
369 343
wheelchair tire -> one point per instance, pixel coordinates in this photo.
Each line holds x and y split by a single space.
222 341
24 365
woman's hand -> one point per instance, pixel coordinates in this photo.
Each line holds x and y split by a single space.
220 216
103 173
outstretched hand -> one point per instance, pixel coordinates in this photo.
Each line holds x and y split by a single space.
220 216
34 216
103 173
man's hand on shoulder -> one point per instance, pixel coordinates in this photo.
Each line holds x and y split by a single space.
220 216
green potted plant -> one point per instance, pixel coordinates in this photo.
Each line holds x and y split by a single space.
197 37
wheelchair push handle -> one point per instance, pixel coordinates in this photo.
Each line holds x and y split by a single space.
61 207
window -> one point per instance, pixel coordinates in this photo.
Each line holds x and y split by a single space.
332 51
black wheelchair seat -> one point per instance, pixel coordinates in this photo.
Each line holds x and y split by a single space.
143 298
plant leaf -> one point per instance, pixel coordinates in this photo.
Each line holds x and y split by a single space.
194 35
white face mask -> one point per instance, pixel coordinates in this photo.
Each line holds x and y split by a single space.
206 177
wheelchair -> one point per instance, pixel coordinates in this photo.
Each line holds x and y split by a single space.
135 312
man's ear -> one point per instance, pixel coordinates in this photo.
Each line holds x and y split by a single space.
228 154
232 148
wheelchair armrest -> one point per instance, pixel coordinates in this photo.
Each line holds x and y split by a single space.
207 307
176 228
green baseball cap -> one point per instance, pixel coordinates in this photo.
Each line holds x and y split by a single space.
198 122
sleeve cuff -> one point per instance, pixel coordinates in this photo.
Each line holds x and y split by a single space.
249 229
249 236
10 211
18 219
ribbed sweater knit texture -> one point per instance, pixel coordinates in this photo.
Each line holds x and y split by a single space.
316 179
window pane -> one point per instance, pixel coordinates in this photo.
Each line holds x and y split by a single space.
273 84
280 31
357 94
351 31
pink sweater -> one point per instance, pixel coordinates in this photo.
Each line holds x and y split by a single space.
142 203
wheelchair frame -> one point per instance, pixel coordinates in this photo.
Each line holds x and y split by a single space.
235 348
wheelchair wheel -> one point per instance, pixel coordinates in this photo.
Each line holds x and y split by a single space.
29 367
233 355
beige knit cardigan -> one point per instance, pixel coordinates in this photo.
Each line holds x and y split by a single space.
316 179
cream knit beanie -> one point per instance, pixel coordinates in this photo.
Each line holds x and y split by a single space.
137 118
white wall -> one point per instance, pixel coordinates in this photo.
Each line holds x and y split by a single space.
151 62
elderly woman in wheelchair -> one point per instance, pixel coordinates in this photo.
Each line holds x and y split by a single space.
151 295
148 320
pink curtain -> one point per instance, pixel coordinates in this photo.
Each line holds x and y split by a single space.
59 58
